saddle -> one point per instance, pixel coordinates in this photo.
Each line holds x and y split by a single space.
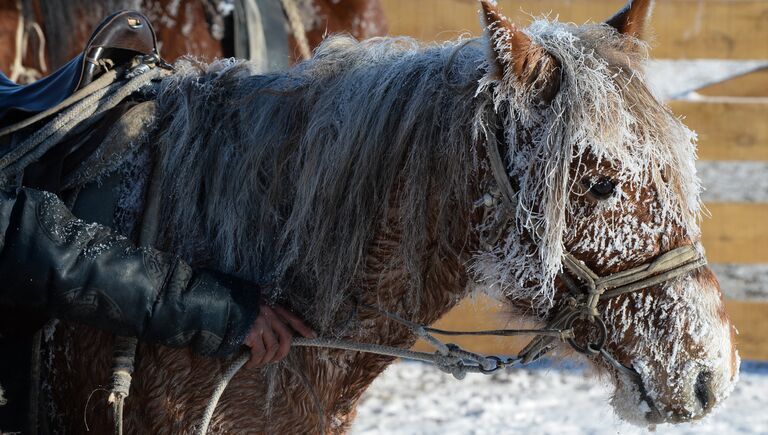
117 39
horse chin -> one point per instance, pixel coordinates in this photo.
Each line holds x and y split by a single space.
632 403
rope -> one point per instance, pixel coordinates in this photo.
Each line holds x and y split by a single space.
104 80
18 71
123 355
297 27
19 40
62 123
41 49
449 358
556 333
452 362
124 348
80 114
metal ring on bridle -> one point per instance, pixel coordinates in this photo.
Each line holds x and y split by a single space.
597 325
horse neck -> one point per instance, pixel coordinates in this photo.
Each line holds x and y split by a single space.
330 230
388 285
414 256
339 380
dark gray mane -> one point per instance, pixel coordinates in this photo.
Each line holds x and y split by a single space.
284 178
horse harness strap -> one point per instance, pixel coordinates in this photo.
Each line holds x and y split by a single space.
452 359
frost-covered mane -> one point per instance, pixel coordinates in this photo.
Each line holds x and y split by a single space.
297 169
294 172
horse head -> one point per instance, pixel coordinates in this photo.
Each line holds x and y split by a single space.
603 174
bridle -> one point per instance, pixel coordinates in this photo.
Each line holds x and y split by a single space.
586 288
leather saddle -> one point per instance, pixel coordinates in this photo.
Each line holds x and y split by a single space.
116 41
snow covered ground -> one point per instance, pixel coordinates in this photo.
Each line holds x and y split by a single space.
413 398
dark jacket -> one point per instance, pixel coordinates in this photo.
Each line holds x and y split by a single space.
55 264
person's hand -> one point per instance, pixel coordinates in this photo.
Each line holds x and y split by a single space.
271 333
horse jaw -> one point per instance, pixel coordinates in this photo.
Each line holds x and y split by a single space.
684 353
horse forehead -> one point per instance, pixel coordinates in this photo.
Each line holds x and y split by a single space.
598 40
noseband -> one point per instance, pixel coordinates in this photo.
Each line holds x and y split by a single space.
586 288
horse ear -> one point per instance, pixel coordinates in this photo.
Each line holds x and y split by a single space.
633 18
514 55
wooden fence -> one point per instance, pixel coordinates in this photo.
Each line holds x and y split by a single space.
726 29
731 119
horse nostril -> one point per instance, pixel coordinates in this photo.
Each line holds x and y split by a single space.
703 389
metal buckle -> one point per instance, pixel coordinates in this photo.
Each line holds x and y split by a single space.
135 23
500 364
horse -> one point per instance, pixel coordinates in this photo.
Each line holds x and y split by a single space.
189 27
365 176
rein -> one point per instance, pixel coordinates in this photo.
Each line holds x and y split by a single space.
587 290
448 357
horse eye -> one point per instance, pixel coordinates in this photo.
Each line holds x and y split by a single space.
603 189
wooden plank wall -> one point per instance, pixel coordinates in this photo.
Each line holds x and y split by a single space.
751 85
726 29
728 128
731 120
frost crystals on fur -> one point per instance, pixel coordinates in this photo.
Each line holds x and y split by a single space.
602 110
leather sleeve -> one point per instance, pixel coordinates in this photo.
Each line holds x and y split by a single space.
68 269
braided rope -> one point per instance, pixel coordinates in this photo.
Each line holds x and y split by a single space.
19 72
297 27
123 357
82 113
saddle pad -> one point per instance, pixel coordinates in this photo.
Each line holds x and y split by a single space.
42 94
